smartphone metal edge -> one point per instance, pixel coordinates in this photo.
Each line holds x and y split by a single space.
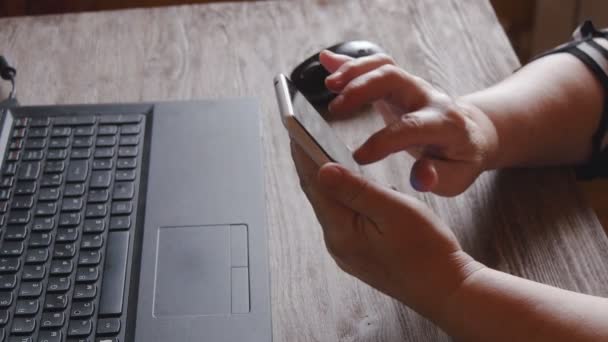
293 126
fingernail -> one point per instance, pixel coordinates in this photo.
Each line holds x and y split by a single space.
335 76
330 176
359 155
416 184
336 102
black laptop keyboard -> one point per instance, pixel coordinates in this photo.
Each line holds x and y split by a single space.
68 202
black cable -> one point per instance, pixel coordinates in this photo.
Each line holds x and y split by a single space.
11 95
8 73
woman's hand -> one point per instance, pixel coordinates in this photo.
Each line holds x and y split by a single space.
453 141
389 240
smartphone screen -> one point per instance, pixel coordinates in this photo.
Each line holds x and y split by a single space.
314 124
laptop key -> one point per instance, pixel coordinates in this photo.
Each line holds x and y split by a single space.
43 224
28 171
6 299
77 171
80 153
35 144
21 122
27 307
13 156
55 302
19 133
33 272
127 151
67 235
50 180
82 309
49 194
94 225
114 274
50 320
122 208
80 328
36 256
123 190
61 132
129 140
82 142
19 217
54 166
91 241
49 336
104 152
98 196
108 326
107 130
7 182
5 194
9 265
100 179
74 190
23 202
24 188
96 210
64 250
85 291
103 164
57 154
120 119
23 325
16 144
58 284
84 131
17 233
89 258
106 141
46 209
39 132
30 289
33 155
3 317
71 204
61 267
87 274
126 163
130 129
41 121
69 219
10 169
8 281
40 240
120 223
58 143
75 120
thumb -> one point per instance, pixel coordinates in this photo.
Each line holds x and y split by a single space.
441 177
357 193
332 61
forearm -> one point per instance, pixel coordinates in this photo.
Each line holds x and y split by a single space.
495 306
544 114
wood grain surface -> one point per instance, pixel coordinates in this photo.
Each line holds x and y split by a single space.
531 223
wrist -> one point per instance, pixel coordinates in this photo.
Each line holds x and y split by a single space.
489 140
438 280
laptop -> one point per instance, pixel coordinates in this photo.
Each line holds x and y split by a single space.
134 222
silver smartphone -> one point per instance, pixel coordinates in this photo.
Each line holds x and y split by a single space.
308 128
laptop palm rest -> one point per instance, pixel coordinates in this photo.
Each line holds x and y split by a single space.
201 270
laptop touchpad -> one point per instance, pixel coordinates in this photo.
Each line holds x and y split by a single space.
201 270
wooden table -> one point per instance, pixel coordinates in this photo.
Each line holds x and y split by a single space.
532 223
